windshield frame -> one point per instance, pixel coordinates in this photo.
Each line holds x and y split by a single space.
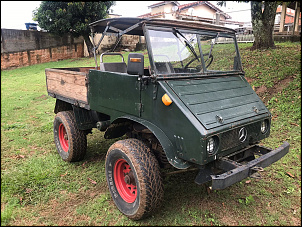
198 33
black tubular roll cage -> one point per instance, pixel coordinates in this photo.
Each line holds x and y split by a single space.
137 26
114 31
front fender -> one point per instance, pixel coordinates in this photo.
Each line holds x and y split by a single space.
167 145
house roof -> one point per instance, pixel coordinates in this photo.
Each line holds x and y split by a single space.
192 4
149 15
163 3
185 6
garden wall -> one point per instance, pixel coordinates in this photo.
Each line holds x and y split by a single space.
24 47
130 42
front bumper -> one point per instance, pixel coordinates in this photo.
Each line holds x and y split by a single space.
234 171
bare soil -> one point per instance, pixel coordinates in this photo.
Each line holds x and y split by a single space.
267 93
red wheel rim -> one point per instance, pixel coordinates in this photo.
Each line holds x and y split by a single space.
63 137
125 181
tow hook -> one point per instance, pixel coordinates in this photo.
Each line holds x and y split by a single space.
255 172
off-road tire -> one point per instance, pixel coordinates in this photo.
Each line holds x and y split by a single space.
145 193
71 143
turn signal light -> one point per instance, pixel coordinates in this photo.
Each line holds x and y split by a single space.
166 100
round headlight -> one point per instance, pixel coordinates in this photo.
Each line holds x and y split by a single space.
264 126
211 145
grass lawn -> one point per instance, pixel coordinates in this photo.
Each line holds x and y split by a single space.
38 188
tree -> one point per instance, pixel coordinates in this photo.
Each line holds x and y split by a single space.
263 23
263 15
71 17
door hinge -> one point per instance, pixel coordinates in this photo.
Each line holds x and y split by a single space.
139 107
155 91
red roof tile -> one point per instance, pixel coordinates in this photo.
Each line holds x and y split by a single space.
181 7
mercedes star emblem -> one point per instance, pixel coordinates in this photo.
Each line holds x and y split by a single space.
242 134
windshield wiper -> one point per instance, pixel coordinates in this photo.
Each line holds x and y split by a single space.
187 43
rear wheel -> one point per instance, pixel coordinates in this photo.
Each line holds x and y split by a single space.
133 178
71 143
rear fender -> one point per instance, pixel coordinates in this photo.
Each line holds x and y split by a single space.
167 145
62 106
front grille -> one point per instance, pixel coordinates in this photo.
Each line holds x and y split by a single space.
230 138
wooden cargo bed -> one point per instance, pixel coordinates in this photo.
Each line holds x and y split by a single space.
69 83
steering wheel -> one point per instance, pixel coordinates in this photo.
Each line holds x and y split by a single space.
210 62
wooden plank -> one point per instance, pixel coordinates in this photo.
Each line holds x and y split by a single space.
72 91
66 78
78 70
69 84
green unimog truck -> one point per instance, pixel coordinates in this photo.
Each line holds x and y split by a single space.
190 108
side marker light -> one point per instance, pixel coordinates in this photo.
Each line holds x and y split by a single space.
166 100
135 60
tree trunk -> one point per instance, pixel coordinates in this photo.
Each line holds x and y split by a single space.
263 24
89 45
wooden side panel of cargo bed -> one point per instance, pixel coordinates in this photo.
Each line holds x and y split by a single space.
68 84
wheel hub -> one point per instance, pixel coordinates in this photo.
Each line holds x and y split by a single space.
125 181
129 178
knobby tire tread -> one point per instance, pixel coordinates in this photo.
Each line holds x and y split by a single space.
148 172
78 140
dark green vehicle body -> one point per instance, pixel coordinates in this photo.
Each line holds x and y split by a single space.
190 119
205 104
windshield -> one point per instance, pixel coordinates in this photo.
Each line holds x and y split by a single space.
179 52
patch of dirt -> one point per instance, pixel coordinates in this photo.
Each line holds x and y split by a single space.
267 93
296 221
59 213
24 153
280 85
261 89
228 220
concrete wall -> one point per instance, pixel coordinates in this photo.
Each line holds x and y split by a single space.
23 47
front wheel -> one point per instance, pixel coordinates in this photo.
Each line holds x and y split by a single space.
133 178
71 143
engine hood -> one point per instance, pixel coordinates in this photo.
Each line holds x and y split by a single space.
219 101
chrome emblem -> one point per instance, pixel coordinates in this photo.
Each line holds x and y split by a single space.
242 134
